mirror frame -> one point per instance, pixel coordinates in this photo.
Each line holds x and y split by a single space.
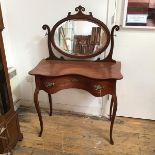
82 17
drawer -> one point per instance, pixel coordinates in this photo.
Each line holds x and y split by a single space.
95 87
55 84
102 87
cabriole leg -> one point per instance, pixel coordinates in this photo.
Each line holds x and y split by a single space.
50 102
113 117
38 110
111 107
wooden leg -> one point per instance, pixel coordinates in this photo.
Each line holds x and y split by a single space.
38 110
50 102
113 118
111 107
20 136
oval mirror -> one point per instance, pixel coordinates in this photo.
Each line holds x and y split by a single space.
80 38
78 35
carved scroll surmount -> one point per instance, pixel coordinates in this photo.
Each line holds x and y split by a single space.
80 9
80 12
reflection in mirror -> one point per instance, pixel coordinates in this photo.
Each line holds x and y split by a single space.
80 37
4 98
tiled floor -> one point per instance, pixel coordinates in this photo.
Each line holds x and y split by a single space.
68 134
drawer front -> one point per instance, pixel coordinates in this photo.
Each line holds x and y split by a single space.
101 87
55 84
95 87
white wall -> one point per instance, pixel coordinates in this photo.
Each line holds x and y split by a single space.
6 39
29 45
136 50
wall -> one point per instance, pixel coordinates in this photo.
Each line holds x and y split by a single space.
29 46
136 50
6 38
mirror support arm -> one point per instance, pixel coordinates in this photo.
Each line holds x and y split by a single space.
51 54
114 28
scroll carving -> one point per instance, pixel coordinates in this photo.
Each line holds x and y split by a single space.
51 54
109 57
80 9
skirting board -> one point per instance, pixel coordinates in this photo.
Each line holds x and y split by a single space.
92 110
17 104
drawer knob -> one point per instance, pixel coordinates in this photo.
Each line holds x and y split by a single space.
98 87
49 84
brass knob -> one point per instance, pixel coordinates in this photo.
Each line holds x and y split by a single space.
49 84
98 87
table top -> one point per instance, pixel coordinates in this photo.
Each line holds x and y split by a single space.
90 69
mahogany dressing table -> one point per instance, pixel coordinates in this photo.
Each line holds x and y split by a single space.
78 36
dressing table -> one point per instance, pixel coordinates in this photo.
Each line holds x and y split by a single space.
79 36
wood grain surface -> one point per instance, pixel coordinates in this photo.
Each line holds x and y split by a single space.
90 69
73 134
78 82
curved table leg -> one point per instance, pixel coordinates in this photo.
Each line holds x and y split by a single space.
113 118
50 102
111 108
38 110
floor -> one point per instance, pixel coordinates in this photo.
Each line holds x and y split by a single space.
70 134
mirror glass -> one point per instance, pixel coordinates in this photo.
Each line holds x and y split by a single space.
80 38
4 98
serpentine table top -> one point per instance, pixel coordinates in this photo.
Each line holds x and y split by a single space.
90 69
